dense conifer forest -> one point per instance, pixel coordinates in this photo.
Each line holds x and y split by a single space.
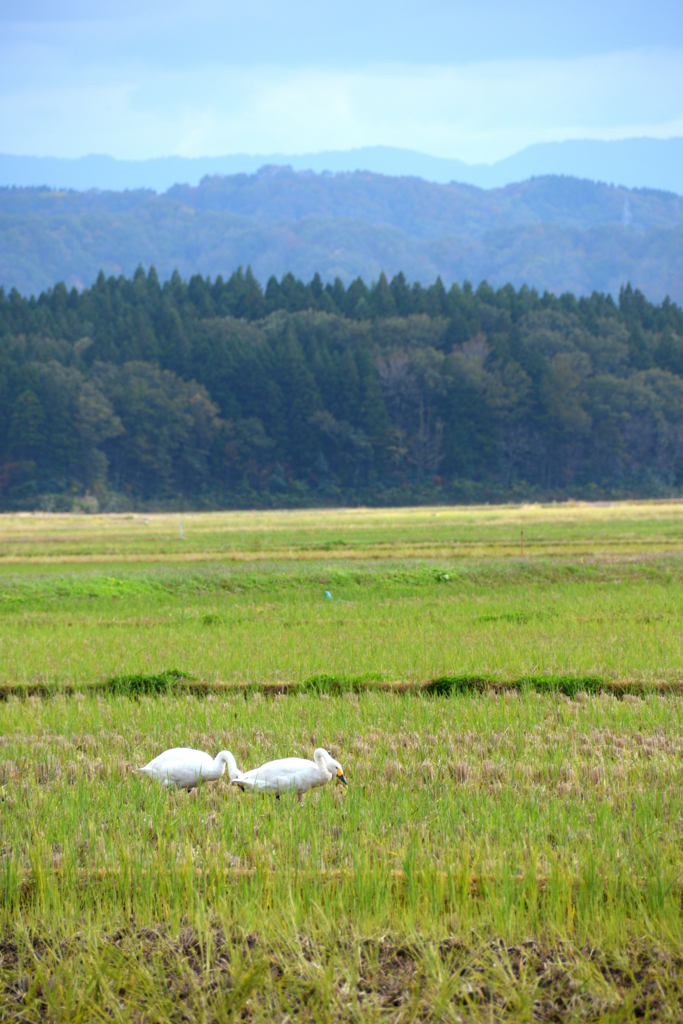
134 393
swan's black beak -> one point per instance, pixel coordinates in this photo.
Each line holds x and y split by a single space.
341 777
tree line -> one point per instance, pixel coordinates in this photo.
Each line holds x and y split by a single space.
134 393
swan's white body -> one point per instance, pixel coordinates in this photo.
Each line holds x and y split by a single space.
187 768
292 774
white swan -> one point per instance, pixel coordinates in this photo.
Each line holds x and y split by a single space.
292 774
187 768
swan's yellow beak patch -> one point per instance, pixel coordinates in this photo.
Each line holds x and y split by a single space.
341 776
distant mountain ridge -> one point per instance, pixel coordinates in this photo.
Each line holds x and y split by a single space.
633 163
553 233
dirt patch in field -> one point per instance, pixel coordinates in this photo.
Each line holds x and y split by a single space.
155 975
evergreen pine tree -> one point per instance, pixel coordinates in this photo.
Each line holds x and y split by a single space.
382 300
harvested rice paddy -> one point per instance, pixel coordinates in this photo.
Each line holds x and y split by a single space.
510 847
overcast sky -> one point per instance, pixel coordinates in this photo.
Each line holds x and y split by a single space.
477 80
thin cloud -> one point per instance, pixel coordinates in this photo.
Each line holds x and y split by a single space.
477 111
175 34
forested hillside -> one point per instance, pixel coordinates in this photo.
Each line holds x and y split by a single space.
554 233
219 393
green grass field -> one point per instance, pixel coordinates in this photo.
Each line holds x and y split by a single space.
499 855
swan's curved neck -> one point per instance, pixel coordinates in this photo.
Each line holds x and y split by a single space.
220 761
218 767
320 761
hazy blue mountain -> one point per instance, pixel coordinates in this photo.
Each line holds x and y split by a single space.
634 163
553 233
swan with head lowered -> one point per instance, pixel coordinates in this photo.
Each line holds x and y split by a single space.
187 768
292 775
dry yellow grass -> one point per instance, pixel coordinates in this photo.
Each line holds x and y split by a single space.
575 529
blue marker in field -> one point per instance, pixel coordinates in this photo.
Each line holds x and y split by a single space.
328 594
181 532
